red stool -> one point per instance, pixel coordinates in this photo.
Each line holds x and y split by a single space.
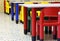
49 12
38 30
54 2
25 20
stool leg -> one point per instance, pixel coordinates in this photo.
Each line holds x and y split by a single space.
29 21
50 30
58 33
41 33
12 11
46 29
17 12
41 21
29 25
38 30
55 32
25 20
33 24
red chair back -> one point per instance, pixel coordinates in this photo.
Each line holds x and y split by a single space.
52 13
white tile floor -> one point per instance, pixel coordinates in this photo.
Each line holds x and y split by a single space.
10 31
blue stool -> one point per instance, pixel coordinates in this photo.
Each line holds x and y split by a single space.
12 11
17 12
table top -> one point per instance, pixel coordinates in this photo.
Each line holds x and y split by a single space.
39 5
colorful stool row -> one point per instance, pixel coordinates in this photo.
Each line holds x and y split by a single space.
22 19
26 20
22 10
17 20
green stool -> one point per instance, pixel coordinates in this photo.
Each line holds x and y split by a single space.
29 20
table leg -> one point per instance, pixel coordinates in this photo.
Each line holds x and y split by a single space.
33 24
25 20
17 13
12 11
55 32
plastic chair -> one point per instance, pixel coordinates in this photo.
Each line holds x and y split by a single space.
52 13
48 29
46 18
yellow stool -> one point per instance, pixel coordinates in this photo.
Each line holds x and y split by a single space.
37 12
7 8
22 12
28 3
44 2
21 15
